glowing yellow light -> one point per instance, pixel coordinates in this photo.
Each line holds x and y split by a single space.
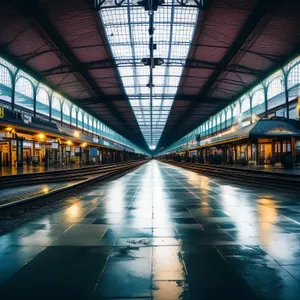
8 128
83 145
255 118
45 190
69 143
76 133
41 136
73 211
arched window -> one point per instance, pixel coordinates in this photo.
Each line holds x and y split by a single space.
56 108
5 84
90 124
275 87
98 127
66 112
228 114
95 126
204 128
214 120
245 105
74 115
293 76
80 119
42 102
24 94
222 118
85 122
236 110
258 98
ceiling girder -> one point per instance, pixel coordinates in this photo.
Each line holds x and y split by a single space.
33 10
252 22
189 64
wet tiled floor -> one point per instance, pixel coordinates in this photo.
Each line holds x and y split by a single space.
159 232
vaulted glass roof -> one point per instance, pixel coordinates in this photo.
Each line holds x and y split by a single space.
127 30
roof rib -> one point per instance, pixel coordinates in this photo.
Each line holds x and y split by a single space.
252 22
33 10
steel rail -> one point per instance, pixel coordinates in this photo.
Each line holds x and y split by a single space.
107 173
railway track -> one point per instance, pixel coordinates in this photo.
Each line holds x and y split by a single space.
81 177
59 175
248 176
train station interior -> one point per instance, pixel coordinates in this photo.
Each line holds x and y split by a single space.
150 149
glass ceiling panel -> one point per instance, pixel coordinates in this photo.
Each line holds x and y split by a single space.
126 29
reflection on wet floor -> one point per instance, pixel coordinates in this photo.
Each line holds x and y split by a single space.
28 169
159 232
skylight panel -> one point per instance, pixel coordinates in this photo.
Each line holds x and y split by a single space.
145 102
141 50
179 51
134 102
143 80
130 90
125 71
138 15
127 32
159 71
157 102
119 34
167 102
142 71
162 33
176 71
128 81
171 90
122 52
173 81
145 90
162 50
162 15
158 90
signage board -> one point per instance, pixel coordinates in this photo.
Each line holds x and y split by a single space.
27 144
93 151
298 108
2 112
27 119
54 145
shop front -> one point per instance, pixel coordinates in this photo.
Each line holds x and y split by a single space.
4 153
265 142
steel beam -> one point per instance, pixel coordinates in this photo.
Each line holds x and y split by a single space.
252 22
32 9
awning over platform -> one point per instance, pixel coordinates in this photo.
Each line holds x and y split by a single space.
268 128
264 128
